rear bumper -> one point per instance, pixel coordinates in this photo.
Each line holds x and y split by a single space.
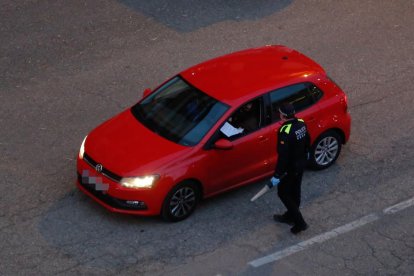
347 127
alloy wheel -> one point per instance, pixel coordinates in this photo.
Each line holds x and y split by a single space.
326 151
182 202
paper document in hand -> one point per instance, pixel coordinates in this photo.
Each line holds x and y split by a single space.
230 130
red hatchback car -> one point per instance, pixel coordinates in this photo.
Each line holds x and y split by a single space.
211 128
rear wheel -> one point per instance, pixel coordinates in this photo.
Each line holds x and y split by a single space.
325 150
181 201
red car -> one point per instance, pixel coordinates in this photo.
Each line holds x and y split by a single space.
210 129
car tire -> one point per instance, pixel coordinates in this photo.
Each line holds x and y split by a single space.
325 150
180 202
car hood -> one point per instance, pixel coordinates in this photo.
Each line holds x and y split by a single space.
127 148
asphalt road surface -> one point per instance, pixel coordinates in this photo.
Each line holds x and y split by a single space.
66 66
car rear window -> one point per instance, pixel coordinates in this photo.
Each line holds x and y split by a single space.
301 95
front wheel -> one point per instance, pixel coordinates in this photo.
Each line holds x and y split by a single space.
325 150
180 202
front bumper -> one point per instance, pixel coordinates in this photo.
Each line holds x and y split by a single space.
113 196
112 203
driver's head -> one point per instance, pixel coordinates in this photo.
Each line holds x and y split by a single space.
247 107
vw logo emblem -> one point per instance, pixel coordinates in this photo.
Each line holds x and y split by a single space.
99 168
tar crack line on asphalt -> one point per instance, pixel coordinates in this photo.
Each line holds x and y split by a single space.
331 234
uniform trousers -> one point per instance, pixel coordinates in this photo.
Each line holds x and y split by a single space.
289 192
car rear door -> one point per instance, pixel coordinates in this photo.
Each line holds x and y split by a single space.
303 96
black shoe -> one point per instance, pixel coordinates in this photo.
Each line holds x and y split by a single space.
283 219
299 228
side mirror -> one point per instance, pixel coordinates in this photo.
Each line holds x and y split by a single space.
223 144
146 92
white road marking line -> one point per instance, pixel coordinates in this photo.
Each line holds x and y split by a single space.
398 207
331 234
317 239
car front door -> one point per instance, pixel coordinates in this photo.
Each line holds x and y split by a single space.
248 158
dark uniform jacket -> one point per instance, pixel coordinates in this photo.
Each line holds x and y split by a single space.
292 148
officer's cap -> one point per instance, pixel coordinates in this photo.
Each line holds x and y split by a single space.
287 110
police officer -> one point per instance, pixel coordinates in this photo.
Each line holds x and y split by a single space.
292 149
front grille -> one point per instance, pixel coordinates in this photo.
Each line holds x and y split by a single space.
111 201
104 171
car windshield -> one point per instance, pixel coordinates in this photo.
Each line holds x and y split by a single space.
179 112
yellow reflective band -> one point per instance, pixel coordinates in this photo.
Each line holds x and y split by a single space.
286 128
300 120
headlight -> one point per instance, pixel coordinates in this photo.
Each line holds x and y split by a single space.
139 182
82 148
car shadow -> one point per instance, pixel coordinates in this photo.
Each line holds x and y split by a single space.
84 231
188 16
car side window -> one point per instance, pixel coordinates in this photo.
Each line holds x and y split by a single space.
315 92
301 95
244 120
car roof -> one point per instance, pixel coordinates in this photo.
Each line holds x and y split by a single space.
250 72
